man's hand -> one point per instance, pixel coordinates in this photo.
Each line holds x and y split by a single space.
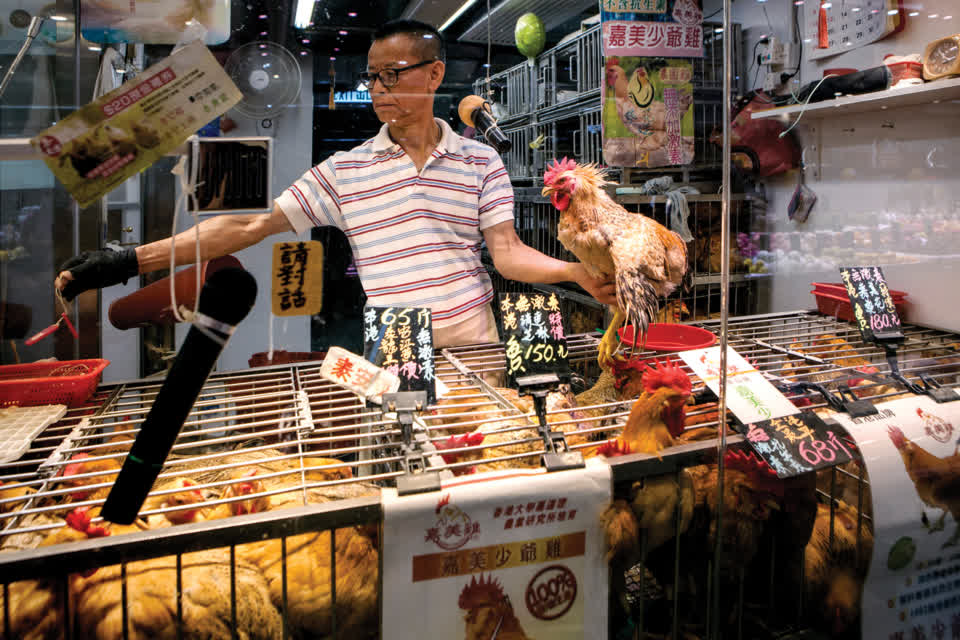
95 270
603 289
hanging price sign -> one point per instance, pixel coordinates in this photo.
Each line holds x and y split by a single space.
796 444
297 278
535 340
872 303
400 340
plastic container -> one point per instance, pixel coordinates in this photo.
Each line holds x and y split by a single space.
832 300
69 382
668 337
284 357
151 304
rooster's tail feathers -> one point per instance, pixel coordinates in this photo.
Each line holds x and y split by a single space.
637 299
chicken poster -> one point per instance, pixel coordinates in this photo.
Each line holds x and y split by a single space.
102 144
911 453
152 21
647 112
505 554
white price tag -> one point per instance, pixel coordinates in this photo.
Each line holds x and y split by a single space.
349 370
749 395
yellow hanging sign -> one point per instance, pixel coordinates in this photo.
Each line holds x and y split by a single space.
297 277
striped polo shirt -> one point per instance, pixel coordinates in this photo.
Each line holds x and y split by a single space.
415 237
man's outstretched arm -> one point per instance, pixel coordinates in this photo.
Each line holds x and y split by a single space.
219 236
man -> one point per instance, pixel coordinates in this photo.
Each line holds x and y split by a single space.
415 202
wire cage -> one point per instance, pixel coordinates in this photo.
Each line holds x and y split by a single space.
265 521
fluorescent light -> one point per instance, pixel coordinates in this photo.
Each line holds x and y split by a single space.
301 19
456 14
893 12
58 18
914 14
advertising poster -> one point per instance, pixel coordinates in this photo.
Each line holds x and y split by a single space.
504 554
102 144
647 112
647 90
152 21
913 586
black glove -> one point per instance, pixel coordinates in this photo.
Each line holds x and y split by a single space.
98 269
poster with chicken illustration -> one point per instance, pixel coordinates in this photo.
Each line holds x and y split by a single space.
102 144
912 454
647 112
513 554
152 21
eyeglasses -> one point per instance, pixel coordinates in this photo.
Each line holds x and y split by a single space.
389 77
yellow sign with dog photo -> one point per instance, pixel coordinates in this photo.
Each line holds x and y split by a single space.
116 136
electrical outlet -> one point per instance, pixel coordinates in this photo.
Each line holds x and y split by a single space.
774 54
771 80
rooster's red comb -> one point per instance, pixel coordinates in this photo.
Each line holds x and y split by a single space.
667 374
623 368
762 475
444 501
480 592
558 167
613 61
613 448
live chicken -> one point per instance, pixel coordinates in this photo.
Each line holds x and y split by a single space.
646 260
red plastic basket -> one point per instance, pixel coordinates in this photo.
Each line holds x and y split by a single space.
69 382
670 337
832 300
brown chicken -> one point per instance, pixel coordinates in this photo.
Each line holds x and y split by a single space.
655 502
646 260
90 479
13 497
834 572
489 612
751 494
937 480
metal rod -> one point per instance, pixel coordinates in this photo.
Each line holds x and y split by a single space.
724 310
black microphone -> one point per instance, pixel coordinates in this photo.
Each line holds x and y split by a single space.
225 300
475 112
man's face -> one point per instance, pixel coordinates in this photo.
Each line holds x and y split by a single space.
412 96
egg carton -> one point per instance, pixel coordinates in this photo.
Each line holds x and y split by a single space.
20 425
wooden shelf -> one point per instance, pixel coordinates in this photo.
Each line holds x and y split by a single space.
931 92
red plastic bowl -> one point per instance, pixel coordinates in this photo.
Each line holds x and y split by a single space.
832 300
670 337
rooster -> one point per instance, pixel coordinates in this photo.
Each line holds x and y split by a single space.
657 417
646 260
937 480
835 567
489 612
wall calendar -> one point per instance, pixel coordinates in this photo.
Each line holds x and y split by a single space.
836 26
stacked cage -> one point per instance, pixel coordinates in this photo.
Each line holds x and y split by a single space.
265 522
551 107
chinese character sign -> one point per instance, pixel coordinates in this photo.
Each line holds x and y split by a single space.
799 443
102 144
297 276
912 589
533 543
365 379
400 339
647 112
670 28
532 326
873 306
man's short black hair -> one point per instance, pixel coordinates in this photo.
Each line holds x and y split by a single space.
430 41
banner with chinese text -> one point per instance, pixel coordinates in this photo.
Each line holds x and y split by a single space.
518 551
670 28
911 452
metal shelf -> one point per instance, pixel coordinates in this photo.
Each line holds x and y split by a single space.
929 93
